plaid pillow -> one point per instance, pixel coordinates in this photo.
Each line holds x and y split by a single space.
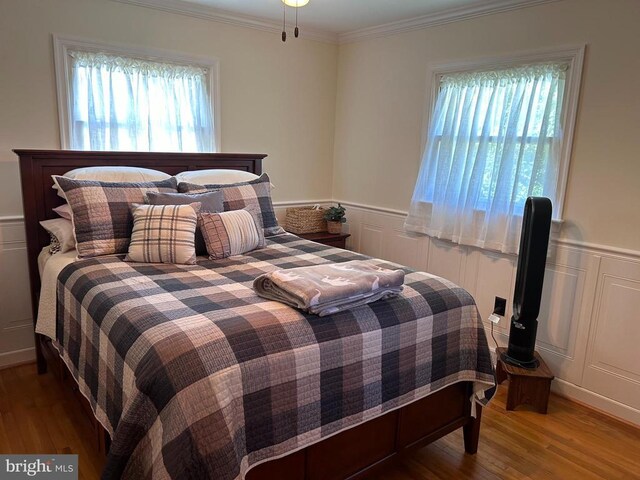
231 233
101 212
255 194
209 202
163 234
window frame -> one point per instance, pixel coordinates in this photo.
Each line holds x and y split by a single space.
572 54
63 44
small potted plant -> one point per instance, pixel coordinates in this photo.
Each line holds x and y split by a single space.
335 218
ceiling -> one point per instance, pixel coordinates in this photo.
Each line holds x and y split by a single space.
342 16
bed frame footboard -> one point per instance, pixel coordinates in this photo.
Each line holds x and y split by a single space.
351 454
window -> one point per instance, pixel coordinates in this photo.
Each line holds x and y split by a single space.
125 99
497 136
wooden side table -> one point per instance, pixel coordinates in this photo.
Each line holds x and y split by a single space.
526 387
331 239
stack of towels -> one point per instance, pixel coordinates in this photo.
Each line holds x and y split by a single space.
330 288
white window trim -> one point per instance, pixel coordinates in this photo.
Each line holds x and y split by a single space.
572 54
62 45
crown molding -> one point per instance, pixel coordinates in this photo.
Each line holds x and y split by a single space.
480 9
195 10
205 12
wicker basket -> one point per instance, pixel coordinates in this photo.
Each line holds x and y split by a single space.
305 220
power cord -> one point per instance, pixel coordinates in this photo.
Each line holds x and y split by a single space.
494 338
494 318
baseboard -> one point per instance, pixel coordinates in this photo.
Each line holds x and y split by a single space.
593 400
17 357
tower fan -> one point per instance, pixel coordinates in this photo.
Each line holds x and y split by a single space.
534 241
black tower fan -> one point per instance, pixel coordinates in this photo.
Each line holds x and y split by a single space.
534 241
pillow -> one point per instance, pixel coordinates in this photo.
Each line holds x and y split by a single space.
211 202
113 174
101 215
219 176
61 231
54 244
163 234
64 211
255 194
231 233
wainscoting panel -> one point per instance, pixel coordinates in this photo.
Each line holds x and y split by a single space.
488 276
406 249
560 294
561 340
589 323
613 356
447 260
371 240
16 327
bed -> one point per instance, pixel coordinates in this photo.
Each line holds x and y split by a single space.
297 396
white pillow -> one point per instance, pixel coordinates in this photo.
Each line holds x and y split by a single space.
215 177
64 211
113 174
62 230
117 174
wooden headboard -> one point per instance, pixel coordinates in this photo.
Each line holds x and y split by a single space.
39 198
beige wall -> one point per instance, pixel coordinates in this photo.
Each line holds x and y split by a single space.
275 98
382 94
281 99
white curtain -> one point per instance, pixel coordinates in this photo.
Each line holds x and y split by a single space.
494 140
123 103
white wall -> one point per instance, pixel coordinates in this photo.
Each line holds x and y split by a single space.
589 323
383 86
276 98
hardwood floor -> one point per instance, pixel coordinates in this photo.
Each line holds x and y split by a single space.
570 442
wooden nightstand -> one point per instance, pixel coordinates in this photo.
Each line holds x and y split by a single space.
331 239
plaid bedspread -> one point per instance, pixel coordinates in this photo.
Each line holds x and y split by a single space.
195 376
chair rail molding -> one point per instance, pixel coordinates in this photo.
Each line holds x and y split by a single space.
11 218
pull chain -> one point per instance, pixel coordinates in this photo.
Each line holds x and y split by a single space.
296 32
284 22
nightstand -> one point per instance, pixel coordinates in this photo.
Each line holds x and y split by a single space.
528 387
331 239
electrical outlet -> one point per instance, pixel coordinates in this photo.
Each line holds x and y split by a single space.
500 306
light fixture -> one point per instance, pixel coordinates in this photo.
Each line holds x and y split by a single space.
295 4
